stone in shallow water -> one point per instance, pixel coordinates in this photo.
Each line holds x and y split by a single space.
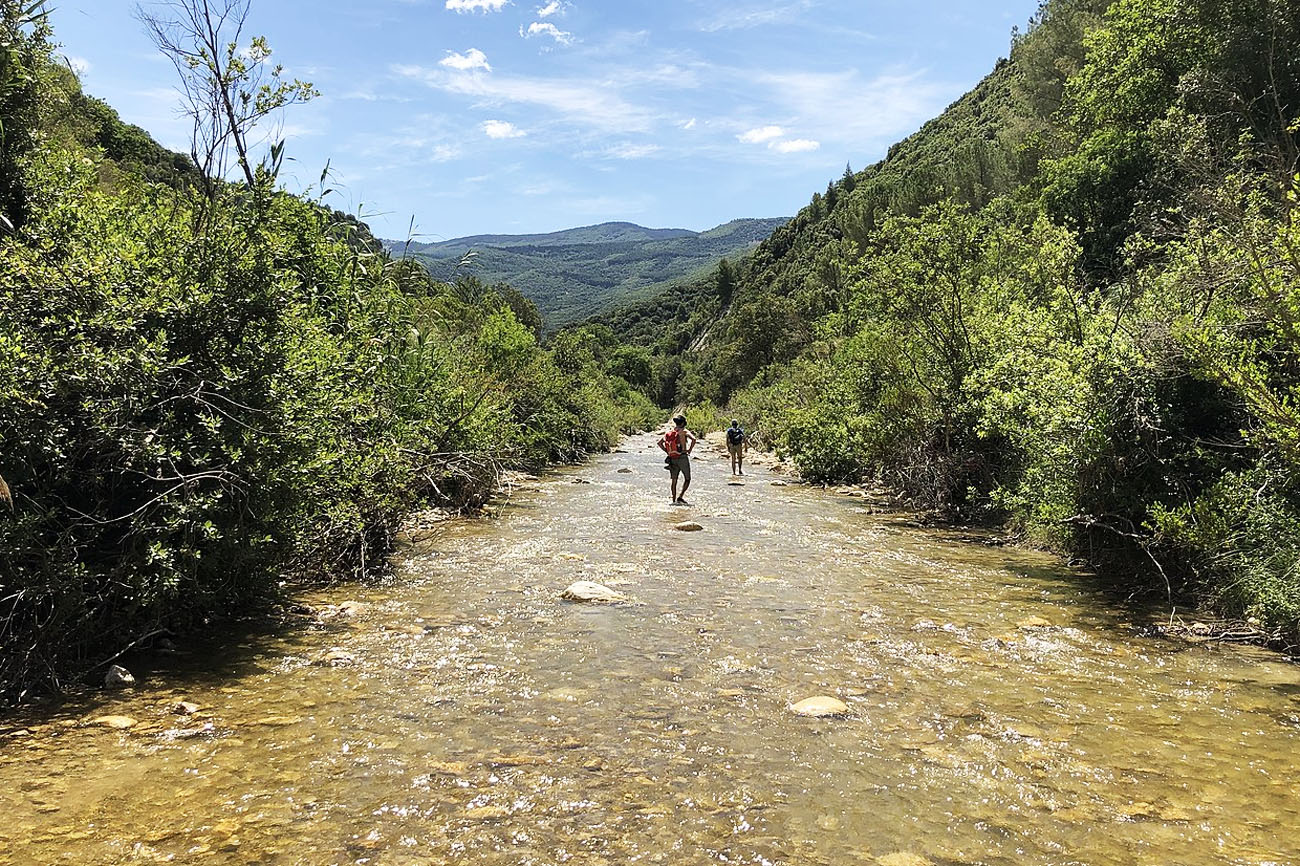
119 723
821 706
688 526
486 813
118 678
1034 622
185 708
336 657
903 858
586 590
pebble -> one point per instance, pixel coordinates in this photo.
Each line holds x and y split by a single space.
118 723
486 813
185 708
1034 622
688 526
336 657
821 706
903 858
589 591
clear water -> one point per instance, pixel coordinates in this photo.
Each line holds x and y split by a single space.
482 720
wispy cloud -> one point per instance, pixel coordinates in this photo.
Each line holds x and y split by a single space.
502 129
586 102
79 65
632 151
555 7
755 16
690 124
546 28
849 108
476 5
761 134
795 145
472 59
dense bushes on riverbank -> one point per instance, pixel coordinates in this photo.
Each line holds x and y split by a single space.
1070 305
203 393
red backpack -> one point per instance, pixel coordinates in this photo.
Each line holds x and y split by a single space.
672 441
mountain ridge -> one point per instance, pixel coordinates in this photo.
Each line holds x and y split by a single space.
576 273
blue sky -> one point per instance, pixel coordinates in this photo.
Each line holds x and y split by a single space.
477 116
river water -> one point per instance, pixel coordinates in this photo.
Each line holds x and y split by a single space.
999 711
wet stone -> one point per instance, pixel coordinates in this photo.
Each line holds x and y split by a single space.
118 678
118 723
903 858
589 591
337 657
688 526
185 708
820 707
487 813
1034 622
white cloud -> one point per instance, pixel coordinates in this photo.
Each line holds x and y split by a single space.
761 134
476 5
502 129
80 65
755 16
472 59
847 108
690 124
552 8
588 102
633 151
546 28
795 145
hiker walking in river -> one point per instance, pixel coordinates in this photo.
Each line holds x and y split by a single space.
737 445
678 443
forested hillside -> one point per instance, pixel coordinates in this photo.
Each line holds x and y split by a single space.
579 272
208 386
1070 306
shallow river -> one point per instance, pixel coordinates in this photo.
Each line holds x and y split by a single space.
999 712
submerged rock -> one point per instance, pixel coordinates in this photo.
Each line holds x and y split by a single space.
185 708
336 657
118 678
486 813
904 858
820 707
590 591
688 526
1034 622
117 723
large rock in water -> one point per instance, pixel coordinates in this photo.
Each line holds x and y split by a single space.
118 678
586 590
689 526
821 707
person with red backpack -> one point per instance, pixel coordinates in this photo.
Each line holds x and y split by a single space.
678 443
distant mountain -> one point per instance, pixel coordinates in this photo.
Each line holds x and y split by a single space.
574 274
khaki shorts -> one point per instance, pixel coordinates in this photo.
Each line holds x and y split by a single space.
735 449
680 465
